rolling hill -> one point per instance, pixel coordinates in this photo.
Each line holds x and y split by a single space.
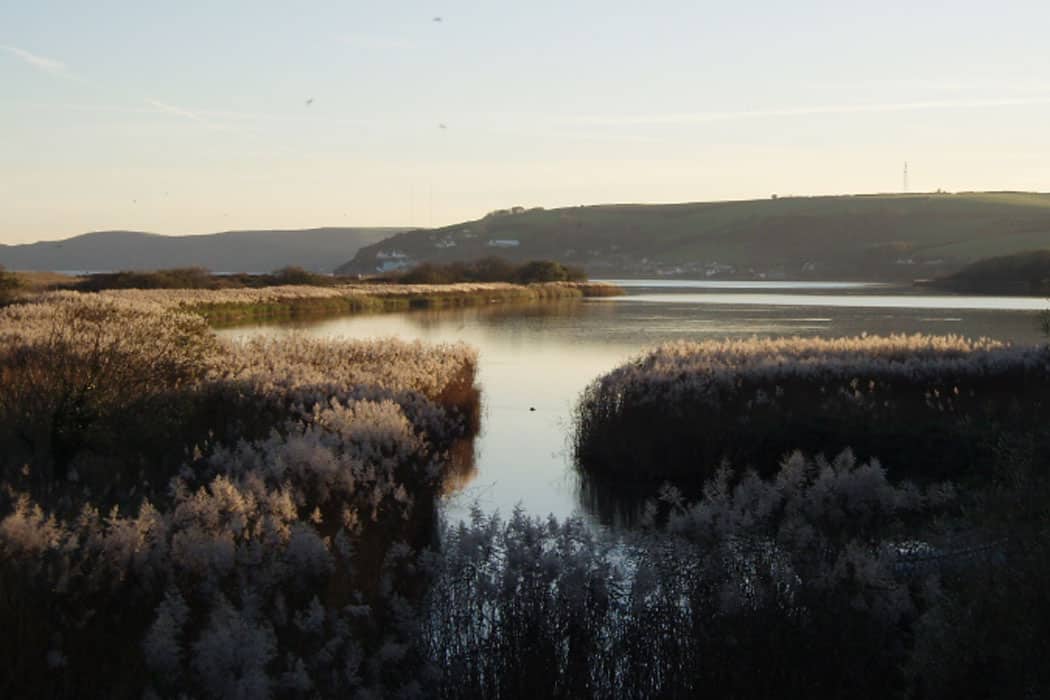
891 237
318 249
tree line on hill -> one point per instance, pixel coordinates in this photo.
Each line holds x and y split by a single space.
490 269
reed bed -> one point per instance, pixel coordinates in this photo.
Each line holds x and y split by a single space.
240 304
182 515
932 406
98 386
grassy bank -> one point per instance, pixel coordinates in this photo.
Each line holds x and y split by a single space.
384 298
933 407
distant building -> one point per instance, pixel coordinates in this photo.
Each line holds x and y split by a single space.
391 265
714 269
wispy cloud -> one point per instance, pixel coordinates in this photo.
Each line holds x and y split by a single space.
216 121
177 111
42 63
380 43
815 110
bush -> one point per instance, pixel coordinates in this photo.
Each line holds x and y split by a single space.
176 278
548 271
9 286
297 275
86 375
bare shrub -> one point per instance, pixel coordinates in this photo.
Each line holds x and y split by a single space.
71 366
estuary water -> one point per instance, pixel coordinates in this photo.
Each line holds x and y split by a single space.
536 359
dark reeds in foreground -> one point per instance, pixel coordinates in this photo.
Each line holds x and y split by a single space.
933 407
798 586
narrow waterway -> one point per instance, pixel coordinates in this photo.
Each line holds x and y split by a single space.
536 359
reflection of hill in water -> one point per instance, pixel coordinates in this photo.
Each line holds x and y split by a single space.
497 314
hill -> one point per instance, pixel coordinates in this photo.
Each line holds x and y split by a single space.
233 251
1022 273
893 237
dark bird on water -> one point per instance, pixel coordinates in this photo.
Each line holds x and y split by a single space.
438 19
309 102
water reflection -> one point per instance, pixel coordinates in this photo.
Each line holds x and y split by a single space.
462 467
536 359
611 504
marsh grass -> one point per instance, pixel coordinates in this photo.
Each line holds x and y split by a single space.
116 392
933 407
185 515
285 543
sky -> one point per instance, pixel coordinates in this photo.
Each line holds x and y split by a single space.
193 117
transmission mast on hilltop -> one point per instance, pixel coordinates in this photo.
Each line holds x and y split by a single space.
905 177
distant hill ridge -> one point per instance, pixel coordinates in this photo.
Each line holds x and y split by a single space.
318 250
878 237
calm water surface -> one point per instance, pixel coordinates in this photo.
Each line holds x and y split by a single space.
541 356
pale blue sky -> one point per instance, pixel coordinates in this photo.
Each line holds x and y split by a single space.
189 117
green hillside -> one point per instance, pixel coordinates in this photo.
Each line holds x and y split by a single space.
868 236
